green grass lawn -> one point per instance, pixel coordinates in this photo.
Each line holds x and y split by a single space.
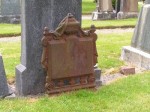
11 29
88 6
110 23
109 49
11 56
131 94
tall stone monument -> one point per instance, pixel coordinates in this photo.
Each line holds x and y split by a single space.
9 10
36 14
3 83
128 9
105 5
104 10
139 51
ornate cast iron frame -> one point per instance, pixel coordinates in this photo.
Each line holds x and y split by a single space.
69 30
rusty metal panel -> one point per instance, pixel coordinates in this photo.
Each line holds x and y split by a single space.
85 58
73 57
69 56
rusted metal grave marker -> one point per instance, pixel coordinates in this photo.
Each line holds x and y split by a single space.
69 55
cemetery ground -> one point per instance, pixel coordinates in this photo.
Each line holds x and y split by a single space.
128 94
131 94
8 30
108 45
88 6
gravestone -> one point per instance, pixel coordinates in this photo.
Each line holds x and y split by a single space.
69 55
117 6
139 51
10 11
3 82
128 9
36 14
104 10
10 7
105 5
147 1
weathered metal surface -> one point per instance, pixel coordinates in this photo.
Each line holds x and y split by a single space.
69 55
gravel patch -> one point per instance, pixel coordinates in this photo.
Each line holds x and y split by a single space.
10 39
102 31
117 30
88 17
107 79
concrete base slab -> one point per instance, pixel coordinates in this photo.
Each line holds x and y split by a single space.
124 15
27 83
97 72
12 96
135 56
103 15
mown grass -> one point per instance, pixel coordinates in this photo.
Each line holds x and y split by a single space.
10 29
110 23
88 6
11 56
131 94
109 49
